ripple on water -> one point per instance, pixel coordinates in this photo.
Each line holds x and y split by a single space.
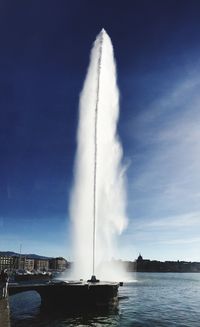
155 300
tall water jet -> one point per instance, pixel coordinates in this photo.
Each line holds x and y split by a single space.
98 199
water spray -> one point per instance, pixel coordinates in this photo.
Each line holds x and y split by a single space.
93 278
98 198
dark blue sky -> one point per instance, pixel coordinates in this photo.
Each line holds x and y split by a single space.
44 54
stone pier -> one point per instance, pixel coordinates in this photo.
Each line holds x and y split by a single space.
4 313
71 294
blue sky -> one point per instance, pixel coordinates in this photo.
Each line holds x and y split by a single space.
44 55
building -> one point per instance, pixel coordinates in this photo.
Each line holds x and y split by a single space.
28 264
15 261
59 264
8 262
41 264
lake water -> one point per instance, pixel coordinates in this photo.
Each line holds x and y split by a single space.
148 300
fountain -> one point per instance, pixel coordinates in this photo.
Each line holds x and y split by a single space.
98 196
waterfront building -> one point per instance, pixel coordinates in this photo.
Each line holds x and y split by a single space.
27 263
8 262
59 264
23 263
41 264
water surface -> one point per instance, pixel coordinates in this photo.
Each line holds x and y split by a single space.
148 300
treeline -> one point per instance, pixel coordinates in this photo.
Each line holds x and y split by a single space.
145 265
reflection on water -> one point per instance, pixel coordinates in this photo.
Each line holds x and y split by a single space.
150 300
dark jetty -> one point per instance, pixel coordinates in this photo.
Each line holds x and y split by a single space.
71 294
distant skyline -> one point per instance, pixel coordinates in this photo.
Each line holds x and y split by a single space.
44 56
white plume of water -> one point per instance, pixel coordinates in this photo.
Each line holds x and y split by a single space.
98 117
